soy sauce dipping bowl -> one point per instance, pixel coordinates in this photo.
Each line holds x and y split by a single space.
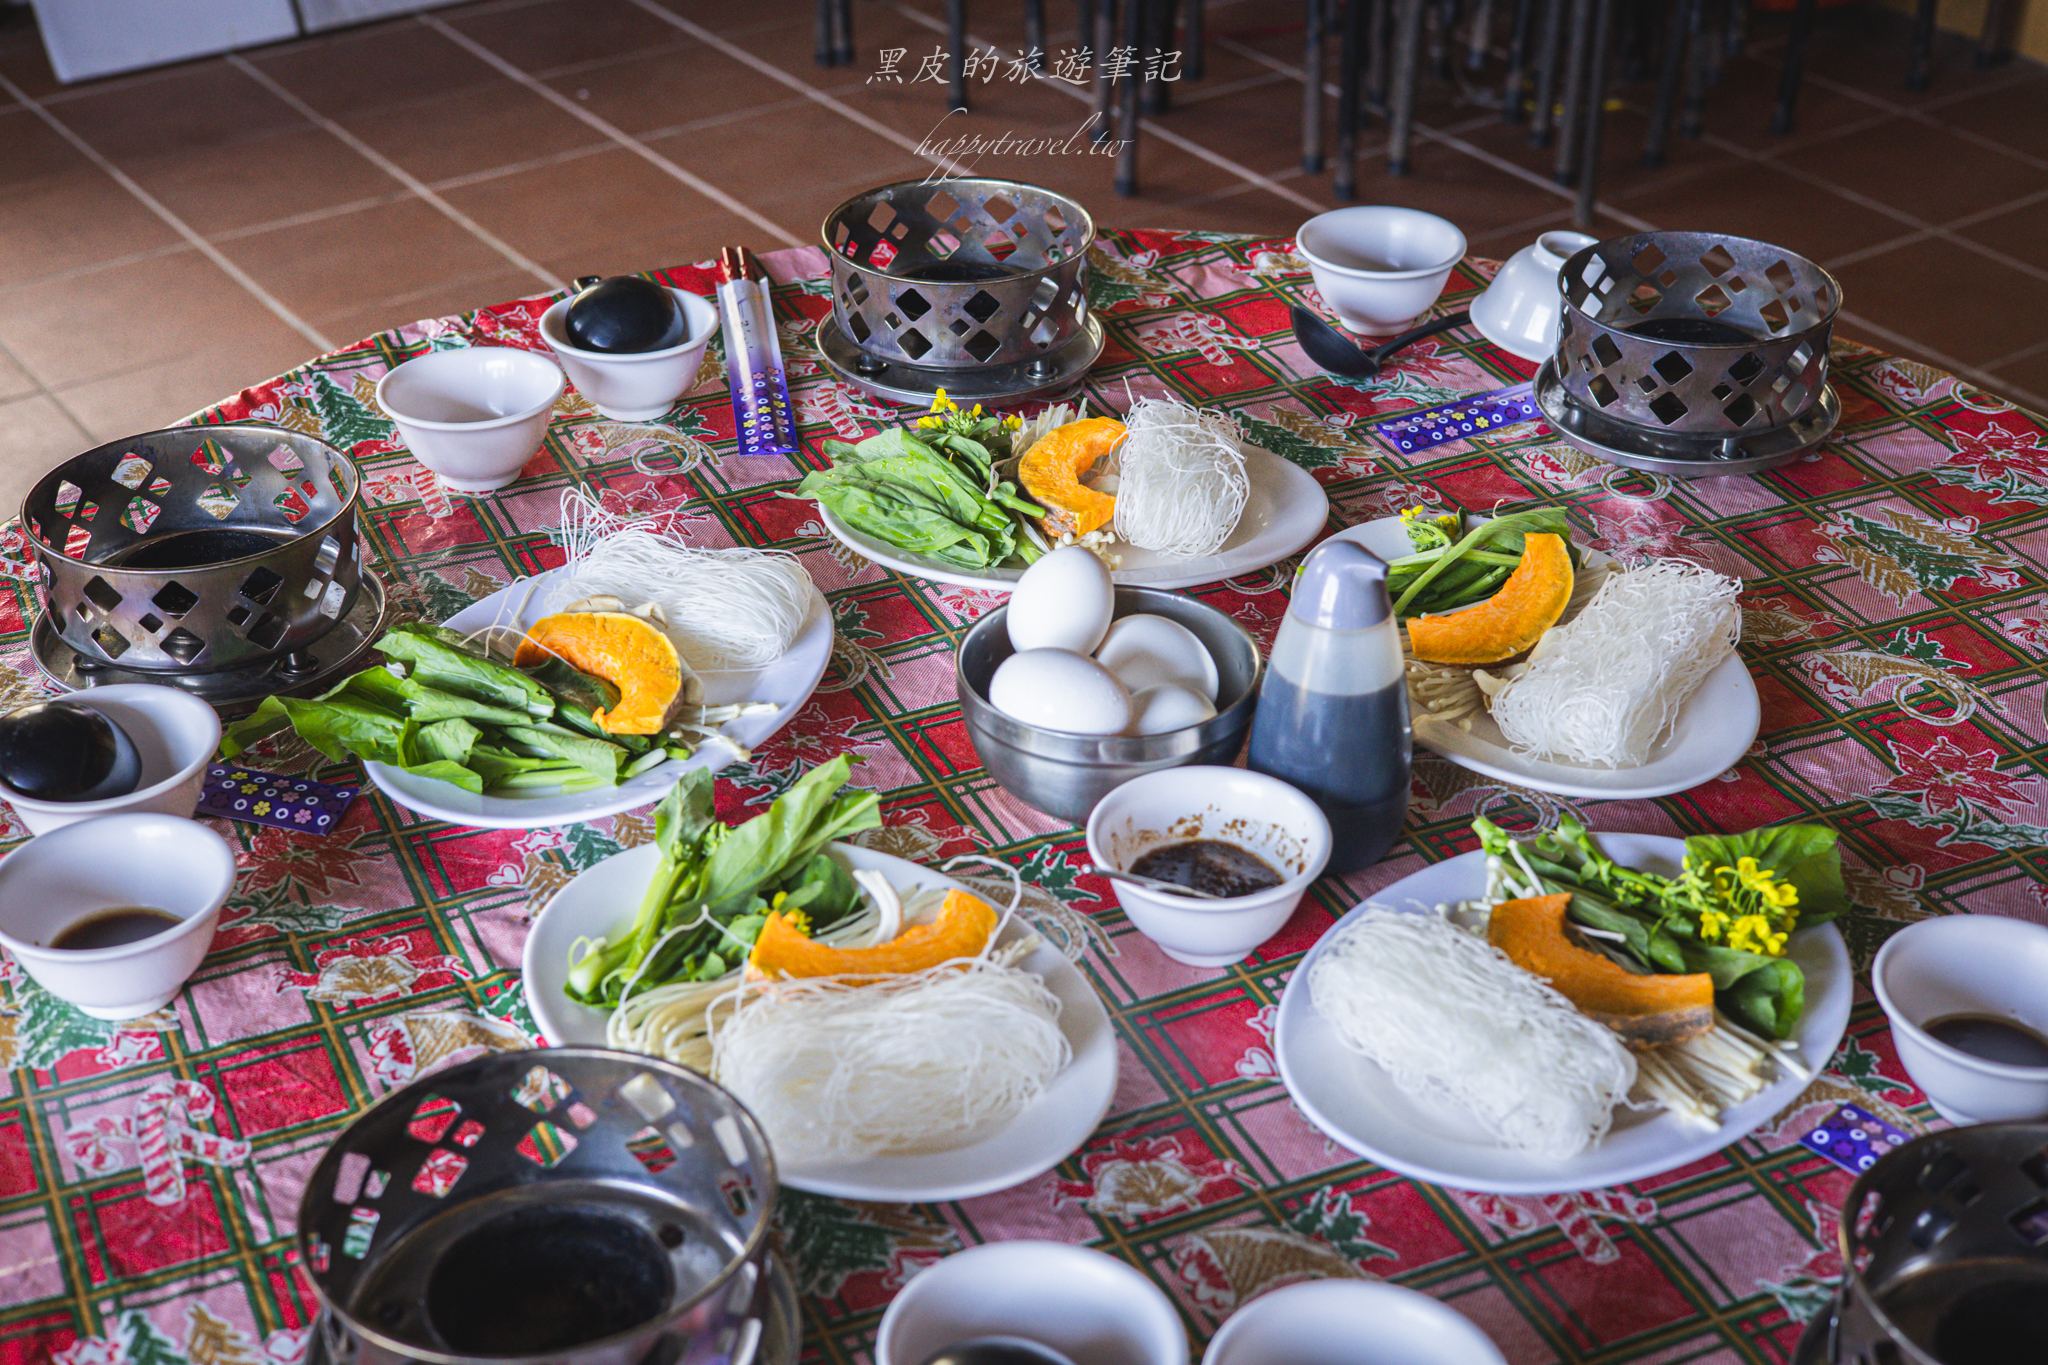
175 735
1065 774
159 862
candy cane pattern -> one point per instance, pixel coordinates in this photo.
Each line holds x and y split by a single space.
845 407
162 1134
1210 337
1576 1215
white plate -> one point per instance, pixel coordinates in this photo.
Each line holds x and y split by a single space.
788 683
1712 731
1283 513
1357 1104
602 900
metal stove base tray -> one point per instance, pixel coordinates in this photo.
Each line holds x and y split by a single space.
1813 1344
231 689
1061 369
1680 455
782 1335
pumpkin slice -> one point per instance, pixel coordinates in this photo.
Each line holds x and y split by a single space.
629 652
1647 1009
1051 473
961 929
1510 621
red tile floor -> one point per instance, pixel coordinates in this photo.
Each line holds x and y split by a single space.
170 235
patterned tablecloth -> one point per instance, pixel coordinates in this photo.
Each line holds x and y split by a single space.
1895 619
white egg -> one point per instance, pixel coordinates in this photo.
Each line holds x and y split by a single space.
1168 706
1056 689
1062 602
1145 651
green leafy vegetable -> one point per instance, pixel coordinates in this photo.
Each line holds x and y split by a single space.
442 710
1728 913
1454 568
709 895
934 493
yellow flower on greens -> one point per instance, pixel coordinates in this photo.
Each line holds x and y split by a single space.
1712 924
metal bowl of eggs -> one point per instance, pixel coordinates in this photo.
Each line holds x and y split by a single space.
1060 725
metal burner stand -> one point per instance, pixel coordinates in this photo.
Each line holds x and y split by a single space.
782 1336
1054 372
232 691
1679 454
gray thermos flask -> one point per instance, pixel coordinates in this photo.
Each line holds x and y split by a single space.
1332 717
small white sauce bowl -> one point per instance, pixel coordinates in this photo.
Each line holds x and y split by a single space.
634 386
474 416
1520 310
1967 964
1093 1308
1230 805
1349 1322
1378 266
160 862
175 736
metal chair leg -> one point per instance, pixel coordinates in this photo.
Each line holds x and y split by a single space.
1349 77
1158 30
1677 26
821 48
1794 69
1543 117
1407 57
1514 100
1195 39
956 49
1312 88
842 32
1698 42
1601 56
1480 33
1127 129
1991 47
1105 93
1919 66
1380 24
1572 123
1034 32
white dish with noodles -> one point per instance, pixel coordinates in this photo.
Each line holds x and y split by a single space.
1050 1129
1359 1106
779 687
1711 733
1284 511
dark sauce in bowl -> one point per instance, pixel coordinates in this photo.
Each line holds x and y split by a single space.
115 928
1209 866
1992 1037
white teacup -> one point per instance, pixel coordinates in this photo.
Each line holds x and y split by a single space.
1520 310
175 735
1092 1308
475 415
1231 805
1349 1322
154 862
1379 267
634 386
1985 965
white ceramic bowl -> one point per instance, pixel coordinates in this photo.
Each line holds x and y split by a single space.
1349 1322
175 736
1967 964
1234 805
160 862
638 386
1094 1308
474 416
1379 267
1519 311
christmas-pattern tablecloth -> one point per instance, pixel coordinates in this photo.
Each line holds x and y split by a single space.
1895 618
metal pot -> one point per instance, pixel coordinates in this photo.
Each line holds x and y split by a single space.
1945 1254
197 549
568 1205
1065 774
